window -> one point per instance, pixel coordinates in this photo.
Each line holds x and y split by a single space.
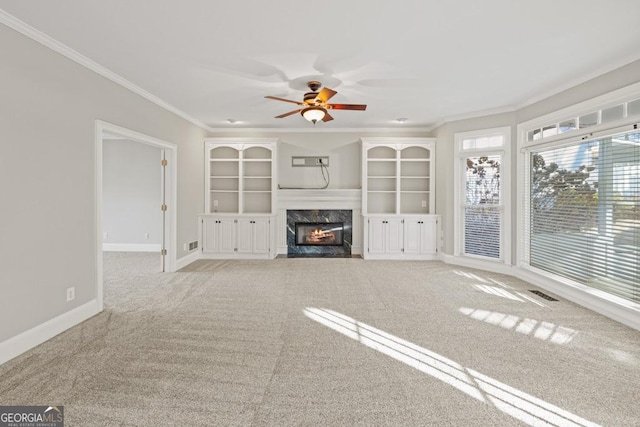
600 116
481 183
584 212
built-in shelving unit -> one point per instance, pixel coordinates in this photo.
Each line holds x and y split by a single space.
397 176
240 194
240 176
398 199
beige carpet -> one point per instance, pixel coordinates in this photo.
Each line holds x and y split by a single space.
330 342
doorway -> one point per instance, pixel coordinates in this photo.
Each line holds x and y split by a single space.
161 196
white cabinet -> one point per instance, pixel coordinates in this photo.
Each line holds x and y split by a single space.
231 237
421 235
385 236
240 175
239 199
401 237
398 198
218 235
253 236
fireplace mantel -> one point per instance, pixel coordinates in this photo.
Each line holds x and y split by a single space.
320 199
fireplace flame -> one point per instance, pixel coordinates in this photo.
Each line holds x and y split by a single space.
318 235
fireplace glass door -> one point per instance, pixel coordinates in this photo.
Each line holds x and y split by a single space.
319 233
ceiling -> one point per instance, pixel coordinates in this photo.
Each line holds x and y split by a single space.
424 60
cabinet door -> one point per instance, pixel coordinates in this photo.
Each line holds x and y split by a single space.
245 236
412 236
377 229
261 236
394 235
227 236
429 236
210 235
253 236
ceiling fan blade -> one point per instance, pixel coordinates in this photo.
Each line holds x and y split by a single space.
359 107
324 95
327 117
285 100
281 116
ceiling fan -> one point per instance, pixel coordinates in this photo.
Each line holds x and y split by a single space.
314 106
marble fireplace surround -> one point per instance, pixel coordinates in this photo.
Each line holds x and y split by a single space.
319 216
328 205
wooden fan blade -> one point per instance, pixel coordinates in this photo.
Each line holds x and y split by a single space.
281 116
324 95
359 107
327 117
285 100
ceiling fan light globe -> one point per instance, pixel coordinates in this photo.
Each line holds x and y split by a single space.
313 114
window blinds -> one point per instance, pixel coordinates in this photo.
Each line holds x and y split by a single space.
482 206
584 206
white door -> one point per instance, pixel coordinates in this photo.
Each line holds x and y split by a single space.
413 231
394 236
377 229
428 235
210 235
261 236
227 236
245 236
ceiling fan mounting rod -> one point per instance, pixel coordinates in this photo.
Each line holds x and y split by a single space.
314 85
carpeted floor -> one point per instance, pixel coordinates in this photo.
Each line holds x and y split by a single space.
330 342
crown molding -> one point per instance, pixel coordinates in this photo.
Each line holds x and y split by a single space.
64 50
245 130
590 75
475 114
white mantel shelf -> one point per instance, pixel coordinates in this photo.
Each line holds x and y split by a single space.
320 199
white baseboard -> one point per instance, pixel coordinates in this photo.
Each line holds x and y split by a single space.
612 307
188 259
35 336
492 266
131 247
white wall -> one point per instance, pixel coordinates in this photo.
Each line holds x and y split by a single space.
132 196
47 215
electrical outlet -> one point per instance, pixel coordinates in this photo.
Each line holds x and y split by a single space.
105 236
71 293
146 236
424 203
184 247
215 203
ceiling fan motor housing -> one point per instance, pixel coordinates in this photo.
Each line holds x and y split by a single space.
310 98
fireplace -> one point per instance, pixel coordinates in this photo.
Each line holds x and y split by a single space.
319 233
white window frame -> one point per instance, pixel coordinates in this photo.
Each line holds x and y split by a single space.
610 99
505 189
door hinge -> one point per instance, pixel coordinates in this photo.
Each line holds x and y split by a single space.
164 162
235 221
163 207
163 252
235 249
